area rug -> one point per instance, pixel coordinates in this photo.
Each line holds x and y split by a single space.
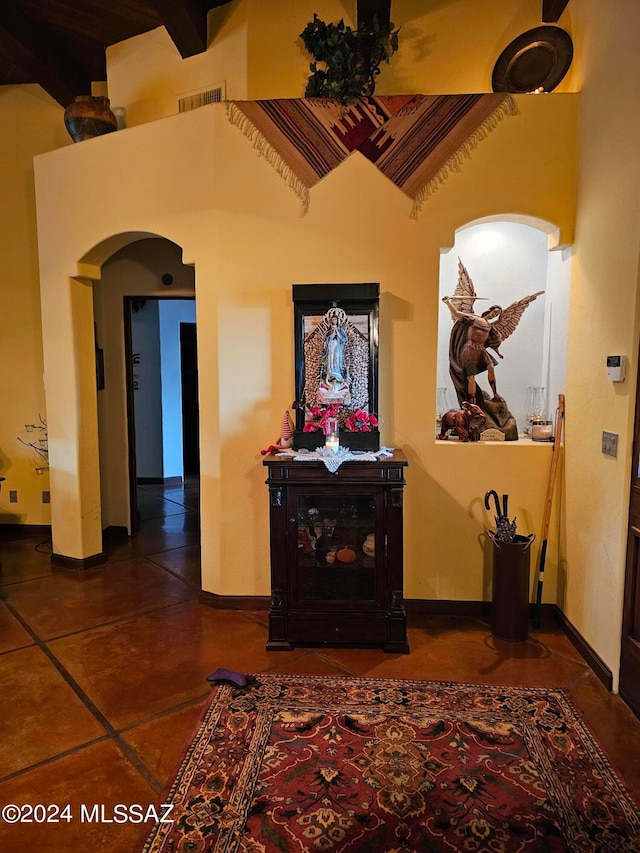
415 140
300 763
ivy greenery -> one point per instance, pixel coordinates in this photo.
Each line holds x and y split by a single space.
350 59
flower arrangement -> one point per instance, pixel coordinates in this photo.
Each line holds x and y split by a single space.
358 421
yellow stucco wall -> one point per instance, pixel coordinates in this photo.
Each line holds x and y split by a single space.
223 205
603 321
31 123
445 48
197 181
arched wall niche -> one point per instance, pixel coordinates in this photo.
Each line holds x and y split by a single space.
509 257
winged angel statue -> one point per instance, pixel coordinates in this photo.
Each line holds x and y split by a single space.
472 336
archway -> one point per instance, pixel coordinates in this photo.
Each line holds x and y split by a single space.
77 457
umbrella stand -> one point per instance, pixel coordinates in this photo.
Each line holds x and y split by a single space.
510 606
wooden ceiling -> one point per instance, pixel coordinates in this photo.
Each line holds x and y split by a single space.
61 44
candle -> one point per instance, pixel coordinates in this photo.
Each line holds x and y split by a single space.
542 431
332 435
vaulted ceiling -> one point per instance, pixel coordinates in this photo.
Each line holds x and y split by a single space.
61 44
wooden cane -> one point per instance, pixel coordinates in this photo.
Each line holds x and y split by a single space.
547 506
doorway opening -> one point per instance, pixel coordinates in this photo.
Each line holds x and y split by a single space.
162 394
148 400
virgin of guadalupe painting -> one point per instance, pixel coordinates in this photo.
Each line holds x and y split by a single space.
472 336
336 354
336 357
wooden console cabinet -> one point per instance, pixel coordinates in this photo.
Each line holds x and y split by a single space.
337 554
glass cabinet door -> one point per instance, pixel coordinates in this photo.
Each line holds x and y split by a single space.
335 548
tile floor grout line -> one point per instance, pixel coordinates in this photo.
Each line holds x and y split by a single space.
130 618
59 666
130 753
17 649
84 572
175 574
111 731
160 714
52 758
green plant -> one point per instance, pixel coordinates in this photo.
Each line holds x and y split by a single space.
350 58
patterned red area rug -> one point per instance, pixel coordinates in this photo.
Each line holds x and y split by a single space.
299 763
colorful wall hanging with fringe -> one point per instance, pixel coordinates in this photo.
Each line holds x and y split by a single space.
415 140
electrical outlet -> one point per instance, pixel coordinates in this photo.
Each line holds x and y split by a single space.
46 497
610 443
13 496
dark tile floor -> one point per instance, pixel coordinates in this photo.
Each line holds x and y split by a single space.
103 675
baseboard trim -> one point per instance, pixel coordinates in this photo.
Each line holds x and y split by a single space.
470 609
78 563
24 531
115 533
432 607
599 667
234 602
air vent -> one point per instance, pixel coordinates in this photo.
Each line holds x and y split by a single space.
193 100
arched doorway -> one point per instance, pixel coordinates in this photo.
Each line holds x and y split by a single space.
142 303
89 469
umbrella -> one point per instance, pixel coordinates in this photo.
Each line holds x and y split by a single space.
505 529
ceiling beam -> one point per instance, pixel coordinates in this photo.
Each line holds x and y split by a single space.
36 58
186 23
552 9
368 9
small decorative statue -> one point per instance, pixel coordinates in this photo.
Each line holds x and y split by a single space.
336 357
333 385
472 336
467 422
286 437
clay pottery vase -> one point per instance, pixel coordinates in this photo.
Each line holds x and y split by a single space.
89 116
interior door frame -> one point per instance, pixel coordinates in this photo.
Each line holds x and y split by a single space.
131 421
130 402
629 681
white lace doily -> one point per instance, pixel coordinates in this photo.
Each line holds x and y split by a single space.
333 459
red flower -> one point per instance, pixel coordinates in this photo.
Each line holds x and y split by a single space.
361 421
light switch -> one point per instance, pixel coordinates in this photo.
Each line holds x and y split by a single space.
610 443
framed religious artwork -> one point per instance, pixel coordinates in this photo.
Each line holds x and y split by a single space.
336 363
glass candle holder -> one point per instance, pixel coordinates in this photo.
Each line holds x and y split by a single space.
332 435
536 403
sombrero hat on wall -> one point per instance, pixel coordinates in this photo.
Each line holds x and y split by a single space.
535 61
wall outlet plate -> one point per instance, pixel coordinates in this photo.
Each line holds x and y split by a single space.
610 443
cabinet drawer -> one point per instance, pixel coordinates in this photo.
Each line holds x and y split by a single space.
359 472
337 628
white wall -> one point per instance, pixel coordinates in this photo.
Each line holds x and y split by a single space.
507 261
172 313
147 390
